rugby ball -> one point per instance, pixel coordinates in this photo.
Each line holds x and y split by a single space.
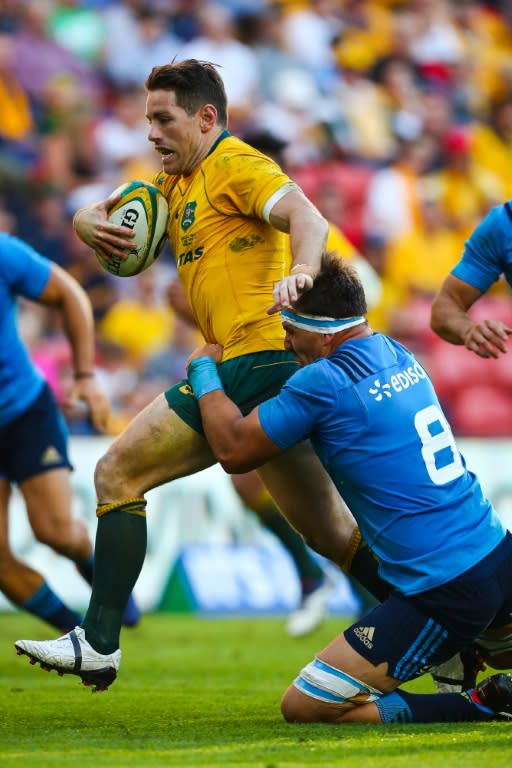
143 209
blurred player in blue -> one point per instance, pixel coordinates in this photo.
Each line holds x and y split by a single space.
374 419
487 256
33 433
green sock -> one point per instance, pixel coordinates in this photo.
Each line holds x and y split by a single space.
121 539
308 569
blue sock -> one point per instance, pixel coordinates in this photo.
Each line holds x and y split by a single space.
45 604
402 707
85 568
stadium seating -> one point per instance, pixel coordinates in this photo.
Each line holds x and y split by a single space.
351 180
482 410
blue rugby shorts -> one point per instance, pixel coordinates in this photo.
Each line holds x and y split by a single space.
413 633
34 442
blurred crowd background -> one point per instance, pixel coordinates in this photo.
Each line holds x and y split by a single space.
395 117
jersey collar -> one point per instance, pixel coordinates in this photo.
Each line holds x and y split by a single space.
223 135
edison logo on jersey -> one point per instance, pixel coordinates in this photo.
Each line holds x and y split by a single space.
398 382
379 390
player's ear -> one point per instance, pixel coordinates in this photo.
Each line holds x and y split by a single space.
207 117
326 342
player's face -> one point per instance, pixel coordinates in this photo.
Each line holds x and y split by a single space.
305 345
176 136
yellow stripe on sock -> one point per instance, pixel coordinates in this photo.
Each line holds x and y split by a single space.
353 546
134 506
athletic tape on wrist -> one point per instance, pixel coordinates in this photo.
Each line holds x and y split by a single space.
304 269
203 376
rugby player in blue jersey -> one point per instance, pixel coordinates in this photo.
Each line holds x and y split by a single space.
487 256
375 421
33 433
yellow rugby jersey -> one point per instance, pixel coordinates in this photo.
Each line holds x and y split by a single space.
227 254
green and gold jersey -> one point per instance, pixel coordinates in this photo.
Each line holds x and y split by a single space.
227 254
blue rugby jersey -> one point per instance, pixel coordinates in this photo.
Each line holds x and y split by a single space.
375 421
23 272
488 251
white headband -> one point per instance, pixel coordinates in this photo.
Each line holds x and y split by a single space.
319 324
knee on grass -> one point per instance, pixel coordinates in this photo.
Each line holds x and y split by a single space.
322 693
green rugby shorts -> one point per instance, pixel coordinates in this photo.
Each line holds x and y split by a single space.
248 380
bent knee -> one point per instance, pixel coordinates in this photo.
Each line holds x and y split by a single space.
108 474
294 706
298 708
57 537
51 538
325 694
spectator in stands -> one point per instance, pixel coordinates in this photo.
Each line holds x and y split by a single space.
478 78
217 42
44 224
263 32
418 261
416 264
141 322
392 206
492 142
77 26
138 36
397 78
465 189
309 33
436 46
17 124
357 96
40 59
120 141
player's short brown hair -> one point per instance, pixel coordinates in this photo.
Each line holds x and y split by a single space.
195 83
337 291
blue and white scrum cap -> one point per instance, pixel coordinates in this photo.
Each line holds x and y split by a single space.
319 324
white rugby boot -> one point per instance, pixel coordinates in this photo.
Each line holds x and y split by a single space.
71 654
311 612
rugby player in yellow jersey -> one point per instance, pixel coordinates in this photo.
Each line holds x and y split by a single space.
230 207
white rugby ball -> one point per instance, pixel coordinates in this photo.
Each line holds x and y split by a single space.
144 210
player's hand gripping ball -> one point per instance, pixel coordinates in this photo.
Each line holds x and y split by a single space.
143 209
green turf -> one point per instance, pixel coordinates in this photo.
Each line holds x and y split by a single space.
205 693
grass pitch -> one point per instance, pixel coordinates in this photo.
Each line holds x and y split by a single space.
205 693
